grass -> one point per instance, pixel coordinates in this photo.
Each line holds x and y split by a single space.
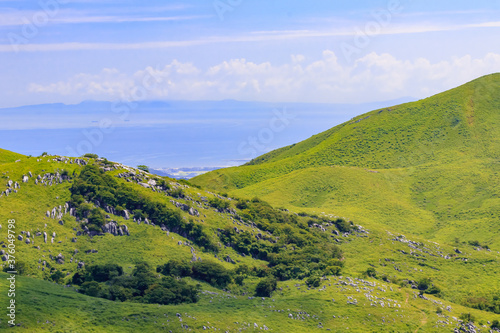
44 306
8 156
428 170
41 301
423 167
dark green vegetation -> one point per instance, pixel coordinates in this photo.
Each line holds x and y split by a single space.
333 255
93 184
108 281
293 249
208 271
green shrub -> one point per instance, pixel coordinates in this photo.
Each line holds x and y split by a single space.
211 272
20 268
265 287
468 317
175 268
143 168
97 218
91 288
424 284
313 281
177 193
102 273
371 272
219 204
238 279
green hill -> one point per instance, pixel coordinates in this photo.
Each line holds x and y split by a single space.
429 167
387 223
8 156
249 239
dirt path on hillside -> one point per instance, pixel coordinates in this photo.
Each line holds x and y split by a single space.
423 321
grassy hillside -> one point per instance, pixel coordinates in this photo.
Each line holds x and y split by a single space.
384 301
387 223
429 167
8 156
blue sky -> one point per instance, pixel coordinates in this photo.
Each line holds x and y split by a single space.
275 51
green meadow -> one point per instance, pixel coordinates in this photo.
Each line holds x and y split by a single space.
386 223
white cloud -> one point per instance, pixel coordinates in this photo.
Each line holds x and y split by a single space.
372 77
109 83
28 18
261 36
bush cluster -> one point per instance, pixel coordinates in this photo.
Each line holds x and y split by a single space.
108 281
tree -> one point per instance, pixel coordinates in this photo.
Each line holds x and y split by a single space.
266 287
103 273
371 272
175 268
57 276
78 278
139 214
211 272
91 288
143 168
91 156
495 324
313 281
97 219
238 279
467 317
424 284
20 268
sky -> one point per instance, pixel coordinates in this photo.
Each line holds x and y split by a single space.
316 51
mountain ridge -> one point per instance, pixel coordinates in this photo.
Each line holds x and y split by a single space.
427 150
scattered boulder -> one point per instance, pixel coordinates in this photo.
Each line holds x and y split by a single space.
110 228
60 259
193 212
125 230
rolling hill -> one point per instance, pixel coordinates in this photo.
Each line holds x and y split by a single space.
428 168
247 238
386 223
